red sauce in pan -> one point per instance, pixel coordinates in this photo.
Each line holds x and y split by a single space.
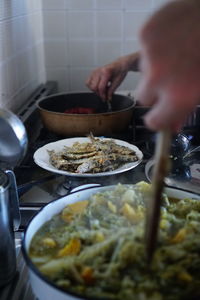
80 110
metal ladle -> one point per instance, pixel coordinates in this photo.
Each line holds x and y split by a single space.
13 146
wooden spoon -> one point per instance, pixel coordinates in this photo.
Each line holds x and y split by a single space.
161 169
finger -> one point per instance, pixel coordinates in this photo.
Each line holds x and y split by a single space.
165 114
114 85
103 86
93 82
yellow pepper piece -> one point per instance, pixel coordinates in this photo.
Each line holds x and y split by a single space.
179 237
164 224
144 186
87 275
112 207
78 207
49 242
71 210
130 213
185 276
99 237
72 248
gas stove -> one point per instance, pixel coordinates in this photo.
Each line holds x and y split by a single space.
37 187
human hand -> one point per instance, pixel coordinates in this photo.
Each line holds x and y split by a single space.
105 80
170 64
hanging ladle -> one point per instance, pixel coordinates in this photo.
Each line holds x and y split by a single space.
13 146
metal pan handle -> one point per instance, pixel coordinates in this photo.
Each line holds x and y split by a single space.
13 194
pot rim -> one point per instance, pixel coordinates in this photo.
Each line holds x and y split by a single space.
38 102
35 270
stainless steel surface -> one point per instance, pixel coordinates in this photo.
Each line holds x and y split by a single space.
153 207
19 288
185 172
14 199
7 248
13 138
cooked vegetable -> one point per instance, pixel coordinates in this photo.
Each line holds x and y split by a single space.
96 247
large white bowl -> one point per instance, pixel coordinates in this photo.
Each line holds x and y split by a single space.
42 287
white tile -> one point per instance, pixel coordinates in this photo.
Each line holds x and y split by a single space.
1 43
33 6
81 24
54 24
80 4
35 27
131 81
78 78
36 61
11 77
55 53
59 75
39 52
30 6
6 38
138 5
6 7
133 22
81 53
22 69
109 24
131 46
107 51
109 4
3 82
19 7
1 10
159 3
53 4
22 32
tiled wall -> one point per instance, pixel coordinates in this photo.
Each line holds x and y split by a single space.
21 50
80 35
64 40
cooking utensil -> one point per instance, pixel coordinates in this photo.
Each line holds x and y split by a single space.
42 287
160 171
14 140
103 122
13 144
109 106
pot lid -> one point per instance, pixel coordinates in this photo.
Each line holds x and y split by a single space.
185 171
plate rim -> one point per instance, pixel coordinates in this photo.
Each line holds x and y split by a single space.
47 166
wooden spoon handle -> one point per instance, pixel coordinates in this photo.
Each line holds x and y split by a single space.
161 169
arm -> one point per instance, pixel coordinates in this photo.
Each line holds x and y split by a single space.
106 79
170 64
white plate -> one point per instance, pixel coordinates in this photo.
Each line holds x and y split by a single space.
41 157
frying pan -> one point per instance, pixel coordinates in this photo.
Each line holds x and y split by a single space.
102 122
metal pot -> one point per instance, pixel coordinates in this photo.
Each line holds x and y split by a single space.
42 287
102 122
